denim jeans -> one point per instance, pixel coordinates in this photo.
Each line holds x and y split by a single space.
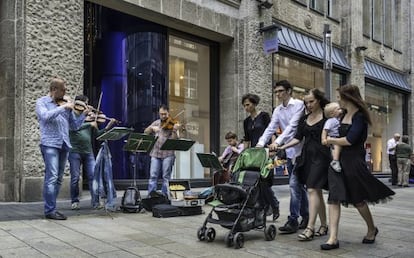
158 166
102 183
298 196
88 164
55 161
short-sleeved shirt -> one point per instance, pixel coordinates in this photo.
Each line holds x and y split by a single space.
332 127
163 135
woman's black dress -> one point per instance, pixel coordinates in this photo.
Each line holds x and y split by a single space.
359 184
313 163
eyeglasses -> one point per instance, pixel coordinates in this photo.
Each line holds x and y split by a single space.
278 91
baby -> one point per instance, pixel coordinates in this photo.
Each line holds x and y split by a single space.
331 128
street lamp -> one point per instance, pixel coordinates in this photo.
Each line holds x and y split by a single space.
327 60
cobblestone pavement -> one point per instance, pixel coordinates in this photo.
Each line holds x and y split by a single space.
94 233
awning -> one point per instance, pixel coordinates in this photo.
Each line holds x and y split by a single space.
386 76
307 46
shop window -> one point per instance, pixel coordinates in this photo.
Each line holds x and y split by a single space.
302 75
189 88
386 111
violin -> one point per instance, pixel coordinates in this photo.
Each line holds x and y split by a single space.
100 117
168 124
62 101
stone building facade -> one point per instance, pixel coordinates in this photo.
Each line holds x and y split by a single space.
42 39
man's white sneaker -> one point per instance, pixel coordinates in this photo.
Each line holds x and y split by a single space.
75 206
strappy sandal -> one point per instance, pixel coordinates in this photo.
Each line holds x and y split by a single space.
306 235
322 231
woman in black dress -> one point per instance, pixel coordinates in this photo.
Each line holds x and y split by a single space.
312 165
355 185
254 125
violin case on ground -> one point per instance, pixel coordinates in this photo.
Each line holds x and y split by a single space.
167 211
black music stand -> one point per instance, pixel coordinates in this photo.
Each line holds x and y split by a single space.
138 142
115 133
208 160
211 161
177 144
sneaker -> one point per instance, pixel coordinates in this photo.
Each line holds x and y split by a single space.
290 227
336 166
276 213
304 223
75 206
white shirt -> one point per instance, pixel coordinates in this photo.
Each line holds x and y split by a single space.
287 118
391 143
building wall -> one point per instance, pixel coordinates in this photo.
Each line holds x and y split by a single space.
42 39
11 21
47 42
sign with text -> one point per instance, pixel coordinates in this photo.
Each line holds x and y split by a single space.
270 41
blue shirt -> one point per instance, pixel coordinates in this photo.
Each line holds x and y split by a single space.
55 122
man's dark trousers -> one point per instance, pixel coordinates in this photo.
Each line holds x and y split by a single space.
394 169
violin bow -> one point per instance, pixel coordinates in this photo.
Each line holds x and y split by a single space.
78 86
98 107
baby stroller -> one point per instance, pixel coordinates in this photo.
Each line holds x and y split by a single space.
238 205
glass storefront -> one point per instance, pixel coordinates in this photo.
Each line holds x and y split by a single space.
138 65
189 84
386 109
302 75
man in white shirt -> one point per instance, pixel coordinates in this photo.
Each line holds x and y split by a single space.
391 144
286 117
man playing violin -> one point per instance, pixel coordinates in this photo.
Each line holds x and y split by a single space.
82 152
54 122
162 161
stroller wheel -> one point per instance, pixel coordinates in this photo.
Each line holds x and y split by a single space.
238 240
201 233
270 232
210 234
228 239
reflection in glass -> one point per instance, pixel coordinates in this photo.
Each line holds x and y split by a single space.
189 100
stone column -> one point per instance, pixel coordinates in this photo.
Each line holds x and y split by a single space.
11 24
53 47
252 68
355 31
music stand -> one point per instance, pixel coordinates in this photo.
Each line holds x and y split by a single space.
138 142
177 144
211 161
115 133
208 160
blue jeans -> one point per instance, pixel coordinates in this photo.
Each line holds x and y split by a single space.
298 196
158 166
102 183
55 161
88 164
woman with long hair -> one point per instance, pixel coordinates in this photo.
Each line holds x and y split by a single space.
312 165
355 184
